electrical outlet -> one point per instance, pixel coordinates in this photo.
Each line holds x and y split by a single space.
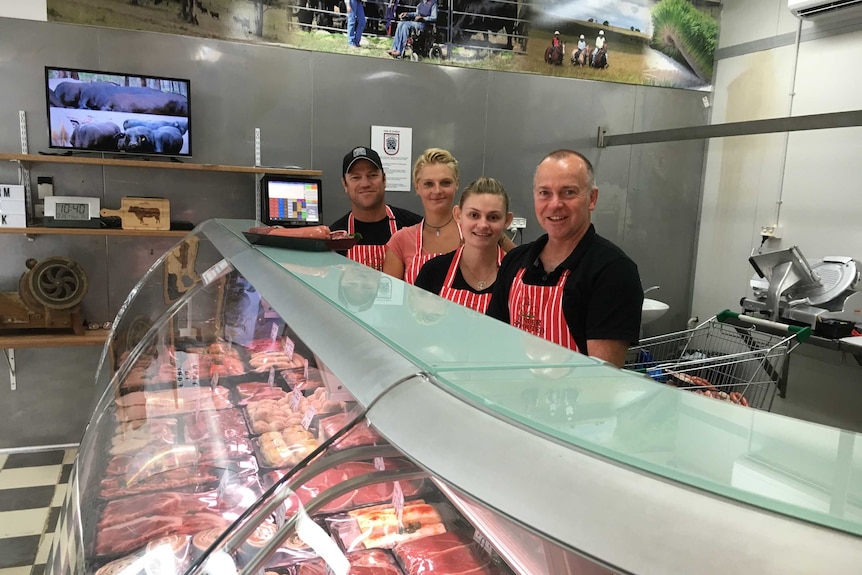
518 224
773 232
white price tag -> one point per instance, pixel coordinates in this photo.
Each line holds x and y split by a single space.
295 398
483 543
188 369
379 464
398 504
273 332
306 419
214 381
304 369
218 269
289 346
271 380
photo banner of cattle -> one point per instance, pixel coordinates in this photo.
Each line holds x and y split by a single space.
121 113
668 43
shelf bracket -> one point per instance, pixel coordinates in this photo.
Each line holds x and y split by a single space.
9 354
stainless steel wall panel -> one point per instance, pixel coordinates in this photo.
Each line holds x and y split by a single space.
25 49
54 399
662 222
444 106
663 204
529 116
128 259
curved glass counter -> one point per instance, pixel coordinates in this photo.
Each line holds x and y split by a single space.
263 408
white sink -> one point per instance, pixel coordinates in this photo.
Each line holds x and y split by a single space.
652 310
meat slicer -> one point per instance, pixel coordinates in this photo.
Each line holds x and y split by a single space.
49 297
791 289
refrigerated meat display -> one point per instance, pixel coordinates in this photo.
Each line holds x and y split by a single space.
260 423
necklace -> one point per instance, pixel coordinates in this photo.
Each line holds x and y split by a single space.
480 283
438 228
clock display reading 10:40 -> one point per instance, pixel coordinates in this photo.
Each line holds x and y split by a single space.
72 212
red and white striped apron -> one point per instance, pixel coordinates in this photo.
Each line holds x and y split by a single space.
467 298
371 256
539 310
412 270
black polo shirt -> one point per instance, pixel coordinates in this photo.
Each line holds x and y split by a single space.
432 276
377 233
602 298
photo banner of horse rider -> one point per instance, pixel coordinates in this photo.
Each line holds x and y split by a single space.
668 43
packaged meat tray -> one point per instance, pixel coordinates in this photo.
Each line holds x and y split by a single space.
446 554
362 562
285 448
127 524
132 436
368 495
170 402
291 550
156 459
278 413
378 527
306 382
163 555
254 391
362 434
194 478
222 425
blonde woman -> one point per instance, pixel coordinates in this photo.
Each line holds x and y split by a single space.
435 178
466 276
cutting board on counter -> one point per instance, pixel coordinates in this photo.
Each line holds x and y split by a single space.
142 213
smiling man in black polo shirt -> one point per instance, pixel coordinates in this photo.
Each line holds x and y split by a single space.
571 286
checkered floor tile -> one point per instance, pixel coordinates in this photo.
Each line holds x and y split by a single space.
32 489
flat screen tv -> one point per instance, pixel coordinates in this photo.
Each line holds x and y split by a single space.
290 201
119 113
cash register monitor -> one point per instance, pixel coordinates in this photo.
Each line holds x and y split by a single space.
290 201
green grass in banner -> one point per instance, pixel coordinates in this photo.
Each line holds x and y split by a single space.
686 34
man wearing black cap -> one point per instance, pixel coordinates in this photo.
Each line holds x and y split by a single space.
365 184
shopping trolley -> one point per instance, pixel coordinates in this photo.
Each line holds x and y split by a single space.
733 357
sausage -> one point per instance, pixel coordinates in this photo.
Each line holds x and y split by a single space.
312 232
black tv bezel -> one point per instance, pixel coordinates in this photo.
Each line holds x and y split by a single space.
264 200
119 152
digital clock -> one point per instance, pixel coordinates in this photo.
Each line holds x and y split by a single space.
72 211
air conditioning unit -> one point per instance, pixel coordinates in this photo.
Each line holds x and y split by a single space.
811 9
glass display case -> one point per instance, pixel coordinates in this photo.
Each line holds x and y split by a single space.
291 412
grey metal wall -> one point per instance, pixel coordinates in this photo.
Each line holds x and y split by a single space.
311 108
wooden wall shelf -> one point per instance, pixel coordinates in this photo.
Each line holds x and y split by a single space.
159 164
90 337
94 232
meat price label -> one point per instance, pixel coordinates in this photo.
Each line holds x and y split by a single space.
289 346
483 543
273 332
306 420
218 269
398 503
295 398
271 380
379 465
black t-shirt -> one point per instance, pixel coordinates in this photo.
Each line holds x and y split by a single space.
602 298
432 276
377 233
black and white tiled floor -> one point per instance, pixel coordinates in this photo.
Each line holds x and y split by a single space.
32 489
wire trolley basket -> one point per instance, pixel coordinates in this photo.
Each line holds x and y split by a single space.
731 357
